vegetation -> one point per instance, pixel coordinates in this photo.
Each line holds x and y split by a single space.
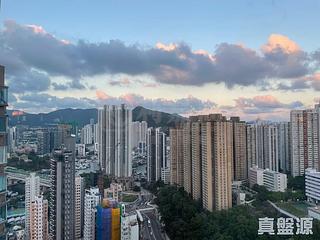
290 195
36 164
185 219
129 197
299 209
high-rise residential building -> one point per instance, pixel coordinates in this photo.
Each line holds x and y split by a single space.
79 206
43 143
108 224
12 139
139 135
91 200
284 142
156 153
115 140
60 133
262 145
196 160
187 165
129 227
88 133
3 153
32 190
206 144
62 192
216 162
305 140
176 156
240 168
39 219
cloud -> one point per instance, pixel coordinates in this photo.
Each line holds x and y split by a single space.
265 107
26 49
121 82
280 42
34 102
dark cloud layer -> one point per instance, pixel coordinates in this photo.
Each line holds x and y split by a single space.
33 55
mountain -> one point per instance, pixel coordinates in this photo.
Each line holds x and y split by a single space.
81 117
156 118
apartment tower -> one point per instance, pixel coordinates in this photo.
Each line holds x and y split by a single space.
39 218
114 123
176 156
32 190
3 153
62 192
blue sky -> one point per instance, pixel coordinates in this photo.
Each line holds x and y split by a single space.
199 23
250 58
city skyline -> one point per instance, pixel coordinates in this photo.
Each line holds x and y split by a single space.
234 66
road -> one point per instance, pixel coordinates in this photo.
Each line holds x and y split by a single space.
153 225
150 228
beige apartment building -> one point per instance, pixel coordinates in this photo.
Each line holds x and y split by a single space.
239 163
176 156
187 165
39 218
196 160
217 157
209 163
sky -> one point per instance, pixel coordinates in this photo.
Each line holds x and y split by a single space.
253 59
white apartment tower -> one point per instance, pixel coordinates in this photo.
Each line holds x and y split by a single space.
139 135
91 200
114 123
284 142
79 205
262 145
32 190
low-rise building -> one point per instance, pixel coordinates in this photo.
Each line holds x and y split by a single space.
312 183
272 180
255 176
113 192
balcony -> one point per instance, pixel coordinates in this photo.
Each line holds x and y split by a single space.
3 154
3 96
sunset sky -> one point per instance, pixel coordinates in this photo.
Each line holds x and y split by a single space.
255 59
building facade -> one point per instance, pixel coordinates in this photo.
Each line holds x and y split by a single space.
272 180
139 136
3 153
176 156
304 140
62 194
39 218
79 206
262 145
156 154
32 190
312 185
91 201
115 151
